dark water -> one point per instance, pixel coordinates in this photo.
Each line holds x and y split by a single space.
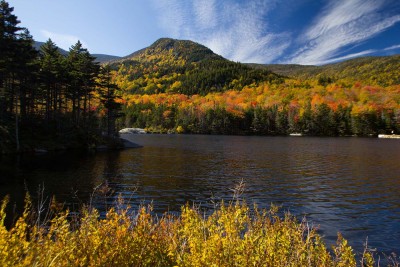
347 185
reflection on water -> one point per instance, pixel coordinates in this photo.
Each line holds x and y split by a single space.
349 185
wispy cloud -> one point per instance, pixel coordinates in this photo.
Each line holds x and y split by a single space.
243 30
342 24
64 41
237 31
205 13
393 47
349 56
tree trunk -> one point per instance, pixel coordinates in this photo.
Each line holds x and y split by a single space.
16 123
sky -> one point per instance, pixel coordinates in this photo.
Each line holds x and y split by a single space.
309 32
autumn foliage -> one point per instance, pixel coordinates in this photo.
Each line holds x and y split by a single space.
182 84
330 110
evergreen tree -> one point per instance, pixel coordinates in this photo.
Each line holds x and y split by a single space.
26 73
25 79
53 72
8 40
17 58
323 121
82 71
108 95
47 87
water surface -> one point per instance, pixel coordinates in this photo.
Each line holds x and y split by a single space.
347 185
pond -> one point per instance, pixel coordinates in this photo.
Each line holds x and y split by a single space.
347 185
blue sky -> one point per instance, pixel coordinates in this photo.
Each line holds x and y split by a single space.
258 31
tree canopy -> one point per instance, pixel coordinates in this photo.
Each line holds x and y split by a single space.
44 94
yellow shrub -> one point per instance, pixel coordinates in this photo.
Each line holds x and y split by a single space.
233 235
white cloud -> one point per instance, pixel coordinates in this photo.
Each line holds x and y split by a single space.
241 30
349 56
64 41
172 15
205 13
393 47
339 13
236 31
341 24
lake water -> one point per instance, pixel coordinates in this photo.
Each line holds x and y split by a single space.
347 185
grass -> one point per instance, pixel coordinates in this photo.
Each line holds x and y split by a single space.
234 234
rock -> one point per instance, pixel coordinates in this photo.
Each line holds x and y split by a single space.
132 131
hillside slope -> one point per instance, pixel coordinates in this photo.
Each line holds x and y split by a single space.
182 86
383 71
180 66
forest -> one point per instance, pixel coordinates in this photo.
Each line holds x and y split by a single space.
271 110
180 86
48 99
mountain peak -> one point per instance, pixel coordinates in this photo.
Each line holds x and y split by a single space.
169 43
180 49
185 67
166 43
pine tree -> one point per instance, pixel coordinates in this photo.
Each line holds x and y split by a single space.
53 76
17 58
26 73
108 95
8 39
82 70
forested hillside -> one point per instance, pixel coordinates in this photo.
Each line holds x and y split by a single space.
176 66
381 71
181 86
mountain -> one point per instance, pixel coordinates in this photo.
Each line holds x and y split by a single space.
181 49
182 66
178 56
182 86
383 70
101 58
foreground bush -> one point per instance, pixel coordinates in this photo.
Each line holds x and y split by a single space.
233 235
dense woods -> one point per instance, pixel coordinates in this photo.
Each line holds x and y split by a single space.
174 66
46 98
382 71
270 109
181 86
